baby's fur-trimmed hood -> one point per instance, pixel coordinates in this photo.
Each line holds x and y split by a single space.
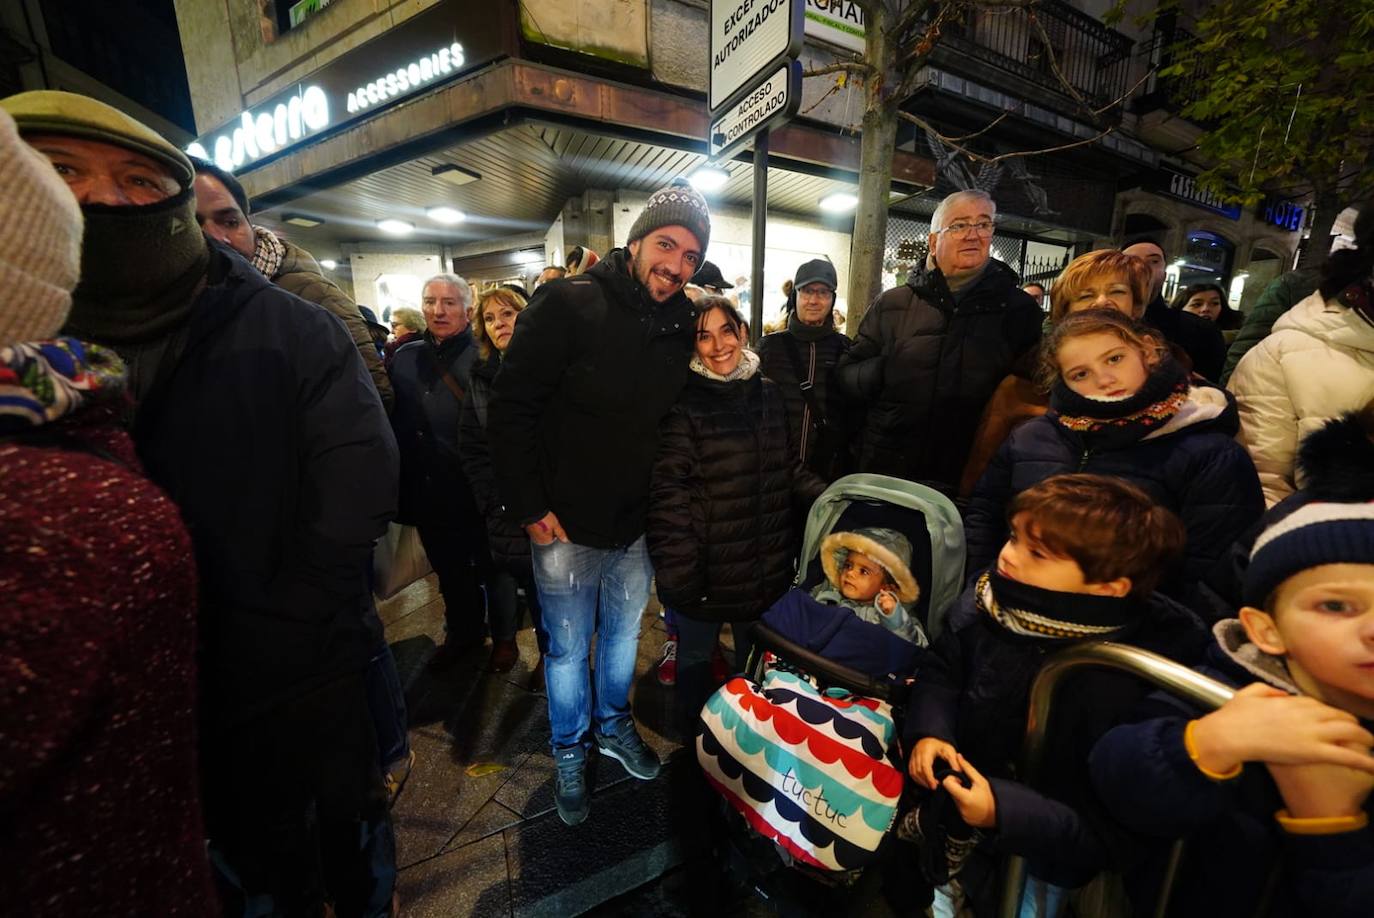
885 546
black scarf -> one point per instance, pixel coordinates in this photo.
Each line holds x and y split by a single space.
141 268
1112 424
808 333
1033 612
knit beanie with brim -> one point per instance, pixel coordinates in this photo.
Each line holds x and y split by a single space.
40 242
49 111
888 547
1313 535
679 204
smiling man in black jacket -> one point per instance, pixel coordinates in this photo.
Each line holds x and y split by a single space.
596 361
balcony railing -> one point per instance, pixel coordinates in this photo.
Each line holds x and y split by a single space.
1094 59
1172 93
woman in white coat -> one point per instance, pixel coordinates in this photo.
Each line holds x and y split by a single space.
1316 364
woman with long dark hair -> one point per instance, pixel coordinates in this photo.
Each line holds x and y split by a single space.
1317 364
722 502
1208 301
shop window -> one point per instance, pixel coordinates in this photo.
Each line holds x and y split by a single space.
1206 259
396 291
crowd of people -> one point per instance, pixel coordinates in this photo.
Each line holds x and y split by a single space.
202 439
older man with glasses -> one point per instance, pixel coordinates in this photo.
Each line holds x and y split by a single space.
929 354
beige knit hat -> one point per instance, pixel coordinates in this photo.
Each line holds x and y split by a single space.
40 242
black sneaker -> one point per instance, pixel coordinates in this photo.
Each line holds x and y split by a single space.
570 784
626 747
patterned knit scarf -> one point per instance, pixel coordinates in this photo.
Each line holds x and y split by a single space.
1110 424
268 252
1025 610
42 381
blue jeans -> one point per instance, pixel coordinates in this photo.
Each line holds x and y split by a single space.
584 590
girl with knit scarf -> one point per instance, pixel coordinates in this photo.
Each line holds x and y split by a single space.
1120 405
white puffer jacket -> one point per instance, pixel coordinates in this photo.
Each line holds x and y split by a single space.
1318 363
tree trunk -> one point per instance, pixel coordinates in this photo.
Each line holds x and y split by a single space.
1326 205
877 145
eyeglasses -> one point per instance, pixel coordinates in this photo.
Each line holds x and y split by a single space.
962 228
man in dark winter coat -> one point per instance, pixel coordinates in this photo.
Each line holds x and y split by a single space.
596 361
257 416
222 209
431 378
801 360
929 354
1199 338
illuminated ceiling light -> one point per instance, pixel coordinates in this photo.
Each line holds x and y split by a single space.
302 220
396 227
328 264
446 215
455 175
530 258
839 202
708 179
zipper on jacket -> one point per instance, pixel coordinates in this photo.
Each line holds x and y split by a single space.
1083 462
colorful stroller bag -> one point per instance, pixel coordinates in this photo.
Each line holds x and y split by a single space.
806 769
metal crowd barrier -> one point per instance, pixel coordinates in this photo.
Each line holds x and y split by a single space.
1161 672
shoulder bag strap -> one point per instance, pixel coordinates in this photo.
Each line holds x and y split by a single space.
807 386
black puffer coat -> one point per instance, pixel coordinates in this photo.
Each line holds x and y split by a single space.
509 545
722 500
925 365
818 358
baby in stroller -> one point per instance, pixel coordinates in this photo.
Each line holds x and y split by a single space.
869 572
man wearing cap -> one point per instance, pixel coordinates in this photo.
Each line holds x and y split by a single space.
596 361
222 209
256 415
709 278
801 359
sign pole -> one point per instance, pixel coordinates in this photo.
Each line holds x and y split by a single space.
756 291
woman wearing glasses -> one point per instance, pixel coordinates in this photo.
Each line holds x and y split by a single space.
930 354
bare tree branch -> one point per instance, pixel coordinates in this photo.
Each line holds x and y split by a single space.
955 142
1065 146
1127 94
1054 64
862 68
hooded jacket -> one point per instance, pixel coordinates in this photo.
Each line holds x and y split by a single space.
434 491
508 543
1145 778
269 435
1192 465
592 368
925 364
974 693
724 498
300 274
1318 363
99 672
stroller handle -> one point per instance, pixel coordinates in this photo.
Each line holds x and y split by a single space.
766 638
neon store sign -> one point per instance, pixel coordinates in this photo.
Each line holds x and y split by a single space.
275 127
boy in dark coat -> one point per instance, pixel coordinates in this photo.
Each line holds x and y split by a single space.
1081 564
1304 648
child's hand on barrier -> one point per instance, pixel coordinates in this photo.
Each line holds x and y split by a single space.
1312 791
1265 724
887 601
976 803
921 766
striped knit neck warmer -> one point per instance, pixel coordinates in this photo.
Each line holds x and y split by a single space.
1108 424
1048 615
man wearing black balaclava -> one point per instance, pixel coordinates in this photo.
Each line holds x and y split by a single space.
255 413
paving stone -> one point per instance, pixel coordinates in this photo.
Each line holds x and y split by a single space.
439 799
471 881
556 870
420 593
490 819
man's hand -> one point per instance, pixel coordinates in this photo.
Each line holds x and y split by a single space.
544 531
1311 791
1265 724
887 601
976 803
921 766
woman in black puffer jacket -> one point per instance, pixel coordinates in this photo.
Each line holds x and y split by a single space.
492 326
722 504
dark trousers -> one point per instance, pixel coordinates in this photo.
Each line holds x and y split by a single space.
386 700
458 554
296 809
696 640
503 605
